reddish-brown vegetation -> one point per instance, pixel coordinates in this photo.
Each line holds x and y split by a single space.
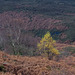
28 21
22 65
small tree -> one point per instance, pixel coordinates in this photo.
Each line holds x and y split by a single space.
47 46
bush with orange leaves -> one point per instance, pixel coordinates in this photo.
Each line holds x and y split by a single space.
47 46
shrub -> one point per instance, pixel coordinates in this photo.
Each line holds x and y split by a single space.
2 68
47 46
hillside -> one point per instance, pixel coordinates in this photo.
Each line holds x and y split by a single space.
23 23
54 9
22 28
22 65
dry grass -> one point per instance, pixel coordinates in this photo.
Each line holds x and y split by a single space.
60 46
22 65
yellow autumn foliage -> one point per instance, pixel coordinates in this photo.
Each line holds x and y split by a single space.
47 44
